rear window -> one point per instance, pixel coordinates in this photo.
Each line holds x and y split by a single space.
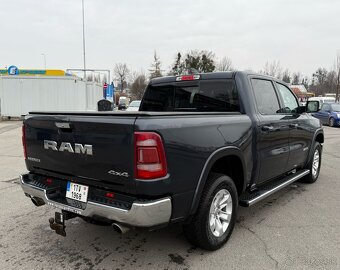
196 96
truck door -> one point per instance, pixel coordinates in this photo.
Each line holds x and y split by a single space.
300 135
272 131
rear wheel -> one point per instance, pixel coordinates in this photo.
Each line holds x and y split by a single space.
215 218
331 122
313 165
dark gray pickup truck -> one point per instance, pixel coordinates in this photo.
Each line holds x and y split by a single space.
200 146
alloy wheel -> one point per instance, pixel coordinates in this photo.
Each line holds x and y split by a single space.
220 212
316 163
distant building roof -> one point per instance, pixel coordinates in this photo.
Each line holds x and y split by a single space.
301 87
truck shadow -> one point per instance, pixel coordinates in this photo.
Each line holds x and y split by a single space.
89 246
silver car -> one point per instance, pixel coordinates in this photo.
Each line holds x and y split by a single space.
134 106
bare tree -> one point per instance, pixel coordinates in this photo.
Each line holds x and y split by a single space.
138 86
320 81
225 64
121 73
96 78
104 79
286 76
272 69
89 77
296 78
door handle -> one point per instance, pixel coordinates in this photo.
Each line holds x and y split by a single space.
293 125
267 128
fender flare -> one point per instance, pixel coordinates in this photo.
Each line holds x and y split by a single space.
317 132
219 153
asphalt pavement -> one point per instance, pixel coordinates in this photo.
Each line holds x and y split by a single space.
296 228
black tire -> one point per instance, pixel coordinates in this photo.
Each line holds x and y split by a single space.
313 175
331 122
198 231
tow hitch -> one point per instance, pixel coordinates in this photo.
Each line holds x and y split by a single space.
58 222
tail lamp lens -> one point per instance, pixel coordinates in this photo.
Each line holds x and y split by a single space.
150 161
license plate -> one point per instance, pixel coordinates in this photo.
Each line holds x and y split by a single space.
77 192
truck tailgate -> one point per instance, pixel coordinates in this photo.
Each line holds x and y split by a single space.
62 144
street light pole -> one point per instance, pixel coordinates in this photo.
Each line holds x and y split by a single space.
84 39
44 59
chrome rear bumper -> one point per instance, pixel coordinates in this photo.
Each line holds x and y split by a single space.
141 214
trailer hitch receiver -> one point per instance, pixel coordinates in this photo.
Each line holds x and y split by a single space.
58 222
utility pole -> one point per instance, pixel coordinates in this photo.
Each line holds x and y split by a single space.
84 39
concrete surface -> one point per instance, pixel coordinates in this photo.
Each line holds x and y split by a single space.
297 228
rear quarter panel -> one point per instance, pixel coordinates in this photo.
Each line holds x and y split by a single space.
190 140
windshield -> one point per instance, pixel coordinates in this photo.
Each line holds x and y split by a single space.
336 107
135 103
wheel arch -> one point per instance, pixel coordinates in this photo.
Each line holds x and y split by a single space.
233 157
318 137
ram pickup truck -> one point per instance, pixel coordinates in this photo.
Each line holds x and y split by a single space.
199 146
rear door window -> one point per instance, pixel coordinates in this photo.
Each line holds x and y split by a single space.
265 96
196 96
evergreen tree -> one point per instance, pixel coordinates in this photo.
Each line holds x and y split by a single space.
155 70
178 66
195 61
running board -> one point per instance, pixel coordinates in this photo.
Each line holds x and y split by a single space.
248 199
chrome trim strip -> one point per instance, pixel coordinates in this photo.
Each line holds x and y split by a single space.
140 215
62 125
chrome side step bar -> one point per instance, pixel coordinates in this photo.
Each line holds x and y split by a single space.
248 199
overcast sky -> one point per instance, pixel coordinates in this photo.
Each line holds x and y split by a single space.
301 34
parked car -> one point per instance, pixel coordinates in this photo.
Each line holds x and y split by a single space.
329 114
123 103
322 100
200 146
134 106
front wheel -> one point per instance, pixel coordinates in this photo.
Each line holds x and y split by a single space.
215 218
331 122
313 165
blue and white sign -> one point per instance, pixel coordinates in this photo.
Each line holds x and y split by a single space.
109 92
13 70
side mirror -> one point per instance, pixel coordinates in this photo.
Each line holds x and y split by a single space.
312 106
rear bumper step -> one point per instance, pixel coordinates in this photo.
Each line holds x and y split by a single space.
141 214
248 199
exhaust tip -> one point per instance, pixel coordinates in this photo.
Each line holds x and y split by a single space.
37 201
120 228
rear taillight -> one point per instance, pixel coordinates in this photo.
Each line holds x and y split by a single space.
150 161
24 140
49 181
110 195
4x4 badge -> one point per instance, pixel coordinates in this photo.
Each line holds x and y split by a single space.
123 174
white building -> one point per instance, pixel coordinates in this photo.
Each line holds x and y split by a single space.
22 94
